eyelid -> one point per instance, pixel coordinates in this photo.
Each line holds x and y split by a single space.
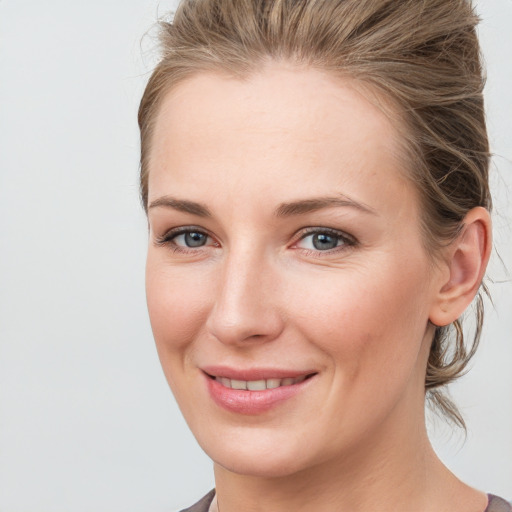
168 237
348 240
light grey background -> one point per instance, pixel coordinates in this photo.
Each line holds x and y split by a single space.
86 420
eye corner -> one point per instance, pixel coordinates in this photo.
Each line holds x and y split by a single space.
323 241
186 240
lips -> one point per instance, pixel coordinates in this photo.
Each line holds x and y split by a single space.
254 391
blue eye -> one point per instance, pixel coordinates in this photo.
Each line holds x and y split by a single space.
185 238
323 240
190 239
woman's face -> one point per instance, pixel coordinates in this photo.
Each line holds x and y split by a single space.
285 256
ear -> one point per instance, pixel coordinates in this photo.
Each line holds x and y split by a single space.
466 260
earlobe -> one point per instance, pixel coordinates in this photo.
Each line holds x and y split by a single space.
467 259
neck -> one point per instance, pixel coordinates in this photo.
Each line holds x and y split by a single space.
397 471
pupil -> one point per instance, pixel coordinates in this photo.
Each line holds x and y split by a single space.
195 239
324 242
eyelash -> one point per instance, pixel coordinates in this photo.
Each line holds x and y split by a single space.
346 241
167 240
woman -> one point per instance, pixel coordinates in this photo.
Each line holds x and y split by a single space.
315 175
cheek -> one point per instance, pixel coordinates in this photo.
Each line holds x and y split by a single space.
177 304
371 324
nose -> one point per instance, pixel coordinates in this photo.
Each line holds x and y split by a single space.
246 308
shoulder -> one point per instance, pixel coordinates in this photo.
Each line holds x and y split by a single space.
204 503
497 504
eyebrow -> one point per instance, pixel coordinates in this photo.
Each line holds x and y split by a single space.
304 206
299 207
181 205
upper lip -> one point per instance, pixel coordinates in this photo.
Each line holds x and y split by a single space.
251 374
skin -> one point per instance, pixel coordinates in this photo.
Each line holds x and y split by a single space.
258 293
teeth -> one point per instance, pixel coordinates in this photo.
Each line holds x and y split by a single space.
238 384
225 382
259 385
273 383
256 385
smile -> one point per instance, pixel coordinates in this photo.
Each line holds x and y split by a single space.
259 385
254 391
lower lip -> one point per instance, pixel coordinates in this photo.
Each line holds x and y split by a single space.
252 402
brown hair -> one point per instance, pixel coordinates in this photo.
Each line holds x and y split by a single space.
422 55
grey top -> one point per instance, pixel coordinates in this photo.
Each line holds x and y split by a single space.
496 504
203 504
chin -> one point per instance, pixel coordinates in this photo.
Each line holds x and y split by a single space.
264 456
259 466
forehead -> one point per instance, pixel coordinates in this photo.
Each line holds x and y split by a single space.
283 125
